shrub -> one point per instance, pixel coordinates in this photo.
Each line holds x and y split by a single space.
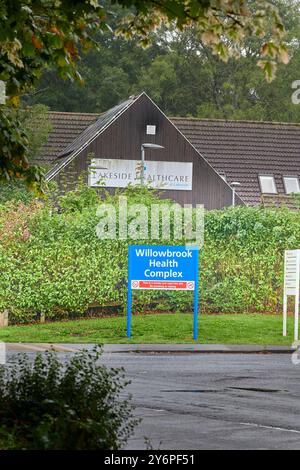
50 405
15 191
52 262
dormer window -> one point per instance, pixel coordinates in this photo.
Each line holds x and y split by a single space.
291 184
267 184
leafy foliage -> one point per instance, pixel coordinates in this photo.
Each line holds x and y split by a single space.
182 75
35 121
73 406
37 125
42 33
14 145
15 191
53 263
34 34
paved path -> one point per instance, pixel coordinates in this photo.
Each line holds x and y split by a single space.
212 401
155 348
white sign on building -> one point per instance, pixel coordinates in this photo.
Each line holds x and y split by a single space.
117 173
2 92
291 287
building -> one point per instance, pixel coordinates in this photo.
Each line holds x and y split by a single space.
198 164
107 150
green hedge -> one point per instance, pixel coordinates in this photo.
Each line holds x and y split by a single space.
52 262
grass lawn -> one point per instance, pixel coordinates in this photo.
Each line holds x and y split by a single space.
163 328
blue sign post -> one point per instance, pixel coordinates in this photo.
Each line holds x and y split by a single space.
162 268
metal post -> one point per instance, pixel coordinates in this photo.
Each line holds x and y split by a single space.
296 327
234 185
284 329
143 166
196 299
233 197
146 145
129 294
4 318
129 310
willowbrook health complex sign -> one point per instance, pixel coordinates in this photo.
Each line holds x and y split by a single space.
163 268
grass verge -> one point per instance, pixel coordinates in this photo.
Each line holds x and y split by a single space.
163 328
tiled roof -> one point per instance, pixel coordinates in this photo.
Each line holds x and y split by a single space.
243 149
65 128
97 124
239 149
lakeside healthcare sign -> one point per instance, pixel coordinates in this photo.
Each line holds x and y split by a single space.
163 268
118 173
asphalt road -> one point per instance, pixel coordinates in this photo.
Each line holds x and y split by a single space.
213 401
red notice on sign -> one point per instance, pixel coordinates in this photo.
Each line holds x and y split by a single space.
166 285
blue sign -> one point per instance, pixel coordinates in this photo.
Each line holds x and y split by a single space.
163 268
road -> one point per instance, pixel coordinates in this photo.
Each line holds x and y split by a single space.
213 401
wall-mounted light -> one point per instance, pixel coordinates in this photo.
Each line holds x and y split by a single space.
143 147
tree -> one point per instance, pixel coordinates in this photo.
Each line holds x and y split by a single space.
207 87
35 34
35 120
110 71
181 74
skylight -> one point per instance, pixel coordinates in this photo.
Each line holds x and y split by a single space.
291 184
267 184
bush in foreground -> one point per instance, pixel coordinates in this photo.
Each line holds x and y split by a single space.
47 404
53 263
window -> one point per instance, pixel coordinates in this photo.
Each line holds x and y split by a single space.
291 184
267 184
